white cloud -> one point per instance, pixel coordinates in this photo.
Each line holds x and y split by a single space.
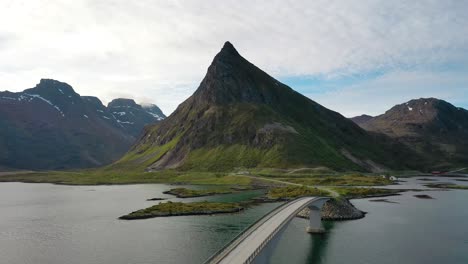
159 50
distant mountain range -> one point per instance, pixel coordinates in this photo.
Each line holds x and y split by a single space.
50 126
240 117
434 128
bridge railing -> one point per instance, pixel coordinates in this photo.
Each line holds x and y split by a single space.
276 230
246 232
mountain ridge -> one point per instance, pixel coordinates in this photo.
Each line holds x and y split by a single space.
435 128
242 117
51 126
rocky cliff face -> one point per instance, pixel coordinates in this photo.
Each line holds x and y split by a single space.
434 128
50 126
241 117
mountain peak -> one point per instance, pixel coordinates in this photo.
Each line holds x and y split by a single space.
226 57
232 78
51 86
361 119
122 102
228 48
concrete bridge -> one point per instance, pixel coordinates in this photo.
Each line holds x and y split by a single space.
247 245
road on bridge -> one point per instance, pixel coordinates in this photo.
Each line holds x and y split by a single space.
245 246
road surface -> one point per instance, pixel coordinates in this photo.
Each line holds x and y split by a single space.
244 246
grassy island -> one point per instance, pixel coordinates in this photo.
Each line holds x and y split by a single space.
365 192
293 192
177 208
345 180
447 186
189 193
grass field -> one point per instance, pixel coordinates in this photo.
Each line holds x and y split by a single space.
189 193
103 177
308 177
447 186
364 192
294 191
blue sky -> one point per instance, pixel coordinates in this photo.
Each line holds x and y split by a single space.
352 56
376 99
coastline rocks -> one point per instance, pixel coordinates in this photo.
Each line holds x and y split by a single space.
156 199
423 196
336 209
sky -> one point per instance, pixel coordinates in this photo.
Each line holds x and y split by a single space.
354 57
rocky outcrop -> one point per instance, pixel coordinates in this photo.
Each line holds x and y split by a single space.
336 209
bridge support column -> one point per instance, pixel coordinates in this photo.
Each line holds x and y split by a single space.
315 221
315 217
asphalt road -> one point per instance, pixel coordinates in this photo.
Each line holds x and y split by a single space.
245 246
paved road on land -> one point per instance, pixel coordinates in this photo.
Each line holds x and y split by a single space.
323 188
243 247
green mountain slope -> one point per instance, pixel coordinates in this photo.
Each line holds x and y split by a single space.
240 117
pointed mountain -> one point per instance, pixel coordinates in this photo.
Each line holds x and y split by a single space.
241 117
432 127
51 126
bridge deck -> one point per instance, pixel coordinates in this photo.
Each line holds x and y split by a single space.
244 247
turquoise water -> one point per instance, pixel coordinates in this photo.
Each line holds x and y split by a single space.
52 224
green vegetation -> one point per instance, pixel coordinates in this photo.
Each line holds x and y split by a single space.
106 176
447 186
177 208
346 180
224 126
188 193
322 176
293 192
364 192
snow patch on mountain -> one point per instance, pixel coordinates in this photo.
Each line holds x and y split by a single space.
125 122
47 101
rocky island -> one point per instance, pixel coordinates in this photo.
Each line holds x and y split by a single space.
336 209
190 193
178 208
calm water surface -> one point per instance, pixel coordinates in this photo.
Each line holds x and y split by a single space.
409 230
44 223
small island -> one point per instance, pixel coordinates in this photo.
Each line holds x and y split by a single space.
190 193
447 186
156 199
423 196
382 201
178 209
356 193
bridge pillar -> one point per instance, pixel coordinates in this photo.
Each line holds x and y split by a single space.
315 217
